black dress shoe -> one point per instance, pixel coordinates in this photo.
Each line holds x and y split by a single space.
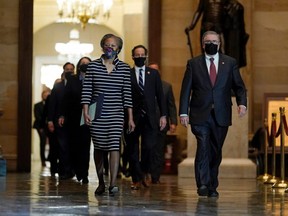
213 193
127 174
100 189
113 190
85 180
79 178
66 176
202 190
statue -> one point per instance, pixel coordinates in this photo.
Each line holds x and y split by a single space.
226 17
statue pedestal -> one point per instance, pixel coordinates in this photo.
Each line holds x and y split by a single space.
235 162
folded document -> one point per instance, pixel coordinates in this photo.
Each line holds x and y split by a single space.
91 112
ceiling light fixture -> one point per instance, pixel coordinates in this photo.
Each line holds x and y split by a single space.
83 11
74 48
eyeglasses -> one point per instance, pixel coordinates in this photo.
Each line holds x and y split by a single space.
212 41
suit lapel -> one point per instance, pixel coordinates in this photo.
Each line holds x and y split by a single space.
134 80
133 76
205 71
221 68
147 77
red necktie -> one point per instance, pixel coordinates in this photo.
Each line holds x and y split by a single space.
212 71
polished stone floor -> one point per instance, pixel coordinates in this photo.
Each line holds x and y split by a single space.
37 193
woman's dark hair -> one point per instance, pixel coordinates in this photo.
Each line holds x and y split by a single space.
118 40
78 64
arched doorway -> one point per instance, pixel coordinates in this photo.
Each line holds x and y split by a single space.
45 56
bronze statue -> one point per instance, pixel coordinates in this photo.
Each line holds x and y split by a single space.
226 17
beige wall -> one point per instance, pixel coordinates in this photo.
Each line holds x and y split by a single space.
8 79
266 22
269 52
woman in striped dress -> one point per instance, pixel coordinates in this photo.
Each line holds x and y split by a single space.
107 82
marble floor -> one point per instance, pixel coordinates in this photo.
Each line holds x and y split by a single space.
37 193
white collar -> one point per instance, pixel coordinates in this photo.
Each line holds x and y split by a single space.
215 57
138 68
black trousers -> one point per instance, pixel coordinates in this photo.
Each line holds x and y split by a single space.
210 138
42 137
80 142
65 167
158 156
141 165
53 152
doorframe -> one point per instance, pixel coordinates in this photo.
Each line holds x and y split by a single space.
24 107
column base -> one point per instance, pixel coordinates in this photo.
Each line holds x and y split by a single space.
229 168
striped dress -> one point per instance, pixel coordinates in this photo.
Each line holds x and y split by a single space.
116 87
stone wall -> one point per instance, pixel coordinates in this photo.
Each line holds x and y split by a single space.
9 80
269 52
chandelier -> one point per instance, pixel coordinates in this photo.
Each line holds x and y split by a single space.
83 11
73 48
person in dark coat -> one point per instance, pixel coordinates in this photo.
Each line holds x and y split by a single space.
40 124
54 111
205 104
159 151
147 91
78 135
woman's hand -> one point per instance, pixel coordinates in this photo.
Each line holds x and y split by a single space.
86 117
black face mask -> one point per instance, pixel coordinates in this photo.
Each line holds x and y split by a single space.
83 68
68 74
139 62
211 49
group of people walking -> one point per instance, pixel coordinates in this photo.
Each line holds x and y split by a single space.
124 112
135 105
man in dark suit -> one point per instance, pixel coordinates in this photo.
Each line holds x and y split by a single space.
54 111
146 90
210 108
40 124
78 135
171 118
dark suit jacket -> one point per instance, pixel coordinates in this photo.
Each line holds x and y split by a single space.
71 107
152 90
39 122
197 81
169 104
55 101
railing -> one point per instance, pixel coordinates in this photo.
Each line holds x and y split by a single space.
270 139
